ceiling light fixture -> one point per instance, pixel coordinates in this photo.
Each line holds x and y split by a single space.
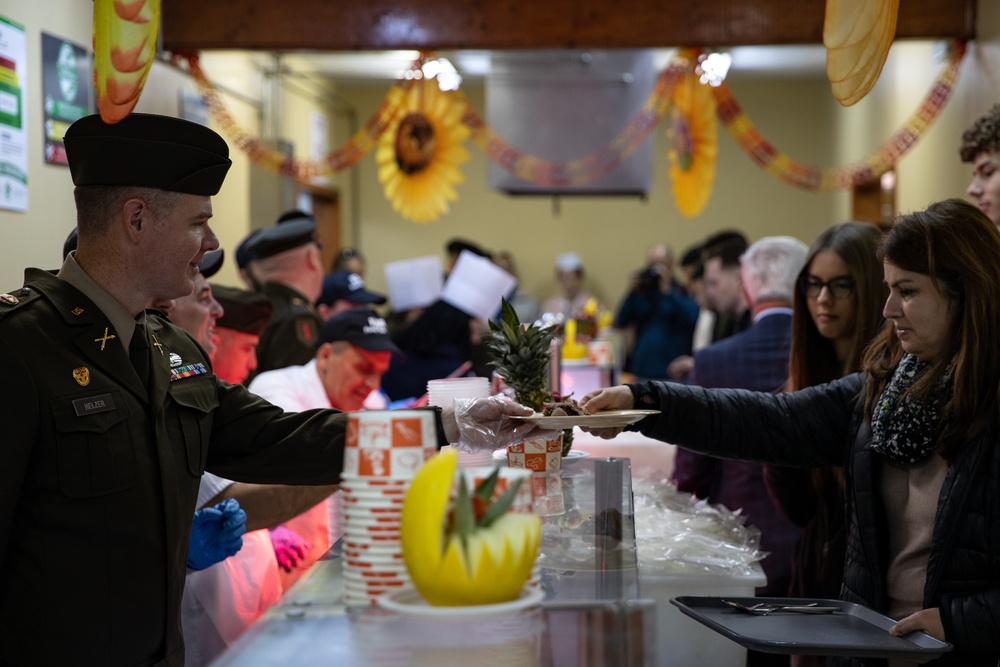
448 77
712 68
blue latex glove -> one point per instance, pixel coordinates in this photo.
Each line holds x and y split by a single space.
289 547
216 534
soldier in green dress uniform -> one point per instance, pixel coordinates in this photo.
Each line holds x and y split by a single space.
285 262
112 414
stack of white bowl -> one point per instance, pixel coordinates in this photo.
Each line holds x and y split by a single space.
442 393
382 452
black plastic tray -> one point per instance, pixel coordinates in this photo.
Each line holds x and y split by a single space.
855 630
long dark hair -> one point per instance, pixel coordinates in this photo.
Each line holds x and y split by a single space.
958 248
813 359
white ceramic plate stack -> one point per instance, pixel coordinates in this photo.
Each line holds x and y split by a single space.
382 452
442 393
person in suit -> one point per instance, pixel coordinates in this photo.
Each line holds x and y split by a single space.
284 262
754 359
115 412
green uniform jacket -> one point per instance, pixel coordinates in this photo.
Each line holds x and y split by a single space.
98 479
292 336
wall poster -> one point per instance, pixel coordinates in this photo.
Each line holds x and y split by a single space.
67 84
13 149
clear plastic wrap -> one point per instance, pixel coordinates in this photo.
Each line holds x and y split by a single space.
677 533
489 424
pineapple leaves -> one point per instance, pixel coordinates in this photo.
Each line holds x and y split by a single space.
501 505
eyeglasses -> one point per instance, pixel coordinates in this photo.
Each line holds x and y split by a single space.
839 288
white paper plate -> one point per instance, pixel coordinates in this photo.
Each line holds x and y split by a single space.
408 601
605 419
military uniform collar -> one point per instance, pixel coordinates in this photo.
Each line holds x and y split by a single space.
122 321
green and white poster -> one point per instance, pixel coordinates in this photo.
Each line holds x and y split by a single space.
67 83
13 118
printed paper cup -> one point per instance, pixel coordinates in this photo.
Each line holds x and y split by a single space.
388 444
538 455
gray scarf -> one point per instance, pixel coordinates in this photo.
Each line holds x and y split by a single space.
902 429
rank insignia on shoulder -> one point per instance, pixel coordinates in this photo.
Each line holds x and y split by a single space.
82 376
187 371
9 299
175 360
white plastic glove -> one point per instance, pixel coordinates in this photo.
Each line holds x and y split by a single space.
487 424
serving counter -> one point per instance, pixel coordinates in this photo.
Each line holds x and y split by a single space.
591 612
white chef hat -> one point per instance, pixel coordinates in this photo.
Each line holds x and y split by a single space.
569 261
476 285
413 283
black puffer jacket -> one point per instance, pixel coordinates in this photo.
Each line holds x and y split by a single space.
822 426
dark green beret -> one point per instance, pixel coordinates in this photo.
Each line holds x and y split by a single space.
244 310
148 151
286 235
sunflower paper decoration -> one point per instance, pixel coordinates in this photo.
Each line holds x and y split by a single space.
694 145
419 154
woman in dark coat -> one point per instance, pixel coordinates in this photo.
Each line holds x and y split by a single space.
917 433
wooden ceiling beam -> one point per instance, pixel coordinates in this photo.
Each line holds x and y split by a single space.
363 25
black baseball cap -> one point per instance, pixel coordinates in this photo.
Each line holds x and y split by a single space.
244 310
358 326
149 151
349 287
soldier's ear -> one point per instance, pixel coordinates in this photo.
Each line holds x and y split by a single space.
134 213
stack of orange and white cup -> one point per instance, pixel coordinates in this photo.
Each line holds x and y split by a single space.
383 451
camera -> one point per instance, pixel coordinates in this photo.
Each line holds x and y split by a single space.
649 280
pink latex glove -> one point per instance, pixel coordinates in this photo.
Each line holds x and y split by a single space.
289 547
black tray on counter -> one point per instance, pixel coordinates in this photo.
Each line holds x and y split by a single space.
855 630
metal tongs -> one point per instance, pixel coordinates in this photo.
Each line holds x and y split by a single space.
765 608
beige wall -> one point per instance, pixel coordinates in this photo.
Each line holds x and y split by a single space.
798 114
612 234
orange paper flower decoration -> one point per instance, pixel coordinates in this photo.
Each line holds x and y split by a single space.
694 145
419 154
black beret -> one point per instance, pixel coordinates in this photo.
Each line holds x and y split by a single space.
244 310
242 256
149 151
212 262
284 236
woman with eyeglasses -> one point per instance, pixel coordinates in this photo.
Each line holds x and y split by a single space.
838 310
918 431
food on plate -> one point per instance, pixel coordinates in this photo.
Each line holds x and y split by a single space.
461 547
563 408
